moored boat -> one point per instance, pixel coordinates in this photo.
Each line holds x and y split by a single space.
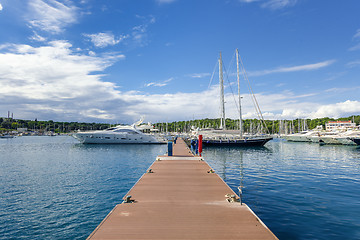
224 137
304 136
340 138
345 138
120 135
7 136
245 142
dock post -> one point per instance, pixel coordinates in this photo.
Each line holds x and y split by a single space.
200 145
170 148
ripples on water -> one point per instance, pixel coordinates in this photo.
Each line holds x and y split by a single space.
54 188
299 190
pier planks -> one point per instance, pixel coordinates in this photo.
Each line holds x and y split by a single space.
181 200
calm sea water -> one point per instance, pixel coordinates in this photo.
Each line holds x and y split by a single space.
55 188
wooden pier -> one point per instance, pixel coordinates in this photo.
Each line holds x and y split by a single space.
181 198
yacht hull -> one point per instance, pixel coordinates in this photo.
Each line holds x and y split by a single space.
330 140
297 138
346 141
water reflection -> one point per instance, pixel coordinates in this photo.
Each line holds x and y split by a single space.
300 190
53 186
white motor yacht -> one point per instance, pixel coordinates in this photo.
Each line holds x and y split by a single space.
119 135
318 138
345 137
304 136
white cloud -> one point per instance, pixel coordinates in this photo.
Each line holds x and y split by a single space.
278 4
103 39
356 38
355 48
286 105
164 1
337 110
353 63
205 104
155 84
159 84
1 7
55 82
51 16
52 81
199 75
173 106
137 36
248 1
139 32
273 4
342 90
37 37
307 67
357 34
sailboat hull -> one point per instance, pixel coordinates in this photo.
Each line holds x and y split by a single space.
238 143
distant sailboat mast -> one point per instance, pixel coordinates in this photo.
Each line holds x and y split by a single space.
222 102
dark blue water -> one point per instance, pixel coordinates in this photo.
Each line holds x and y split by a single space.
54 188
299 190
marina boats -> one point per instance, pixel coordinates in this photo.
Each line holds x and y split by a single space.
333 138
121 134
342 138
318 137
7 136
224 137
304 136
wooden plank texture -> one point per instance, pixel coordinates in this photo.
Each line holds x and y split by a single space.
180 199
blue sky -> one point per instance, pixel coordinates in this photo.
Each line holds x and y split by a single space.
116 60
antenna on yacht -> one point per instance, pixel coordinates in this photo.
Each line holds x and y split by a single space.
140 121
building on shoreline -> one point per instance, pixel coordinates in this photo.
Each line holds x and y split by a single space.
340 125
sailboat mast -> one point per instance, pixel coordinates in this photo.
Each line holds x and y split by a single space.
222 102
238 79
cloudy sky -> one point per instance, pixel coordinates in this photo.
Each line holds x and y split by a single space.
114 61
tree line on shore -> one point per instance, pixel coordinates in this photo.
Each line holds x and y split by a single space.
254 125
9 124
249 125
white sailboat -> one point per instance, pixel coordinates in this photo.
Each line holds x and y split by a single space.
224 137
